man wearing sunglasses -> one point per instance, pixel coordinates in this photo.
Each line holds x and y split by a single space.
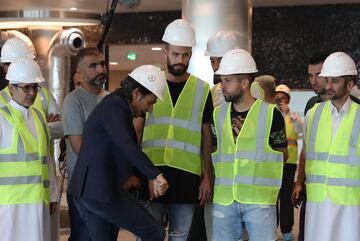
27 181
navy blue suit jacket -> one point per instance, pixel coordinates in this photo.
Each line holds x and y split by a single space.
108 152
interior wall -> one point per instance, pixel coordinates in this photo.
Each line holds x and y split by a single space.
115 78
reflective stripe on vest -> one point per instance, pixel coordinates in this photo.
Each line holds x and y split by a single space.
292 137
172 137
42 100
335 172
23 166
5 96
247 176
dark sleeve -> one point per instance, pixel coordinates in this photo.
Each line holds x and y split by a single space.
311 102
119 128
356 100
278 132
208 110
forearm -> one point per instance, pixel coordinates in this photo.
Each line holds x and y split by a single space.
206 148
300 179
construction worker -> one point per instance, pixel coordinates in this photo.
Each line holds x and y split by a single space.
109 151
13 49
332 156
263 88
294 126
177 135
28 192
249 159
217 45
90 68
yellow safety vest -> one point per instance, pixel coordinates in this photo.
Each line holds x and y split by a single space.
292 138
172 135
249 171
5 96
333 163
42 100
23 166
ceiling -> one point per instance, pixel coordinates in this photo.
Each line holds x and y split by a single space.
145 5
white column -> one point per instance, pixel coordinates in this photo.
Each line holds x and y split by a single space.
210 16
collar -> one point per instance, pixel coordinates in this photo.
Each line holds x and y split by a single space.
344 109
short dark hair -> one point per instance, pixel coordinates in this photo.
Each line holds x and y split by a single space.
129 84
86 52
349 78
318 58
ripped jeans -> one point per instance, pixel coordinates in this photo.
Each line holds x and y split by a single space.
179 215
260 222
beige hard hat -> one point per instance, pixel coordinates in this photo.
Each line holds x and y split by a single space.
151 77
24 70
180 33
338 64
15 48
221 42
283 88
237 61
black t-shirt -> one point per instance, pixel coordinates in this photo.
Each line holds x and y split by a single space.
183 186
277 132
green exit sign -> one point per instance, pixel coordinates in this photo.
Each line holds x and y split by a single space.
131 55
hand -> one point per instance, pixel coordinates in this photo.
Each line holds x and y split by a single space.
52 207
131 182
53 117
237 124
284 108
297 194
205 190
160 186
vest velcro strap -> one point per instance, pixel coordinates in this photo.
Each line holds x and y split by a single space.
172 143
165 120
46 183
260 181
259 156
345 182
27 158
224 181
315 179
20 180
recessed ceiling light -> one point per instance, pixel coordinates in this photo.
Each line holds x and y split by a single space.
73 9
113 63
156 48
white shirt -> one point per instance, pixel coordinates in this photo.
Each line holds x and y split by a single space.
30 222
327 221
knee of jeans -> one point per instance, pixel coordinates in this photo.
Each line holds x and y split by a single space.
178 235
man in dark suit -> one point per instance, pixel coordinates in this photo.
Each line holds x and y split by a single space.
109 152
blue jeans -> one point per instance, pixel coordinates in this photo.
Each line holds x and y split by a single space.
260 222
78 229
180 217
126 212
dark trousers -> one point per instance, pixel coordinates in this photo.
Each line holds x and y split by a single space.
302 217
78 229
285 208
198 230
126 213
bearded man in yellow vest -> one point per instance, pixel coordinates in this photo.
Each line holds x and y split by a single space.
251 149
293 126
27 176
177 135
332 157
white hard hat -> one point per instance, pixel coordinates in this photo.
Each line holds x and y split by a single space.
338 64
256 91
152 78
15 48
221 42
237 61
283 88
180 33
24 70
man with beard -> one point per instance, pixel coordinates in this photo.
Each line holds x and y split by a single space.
78 105
248 162
332 157
177 135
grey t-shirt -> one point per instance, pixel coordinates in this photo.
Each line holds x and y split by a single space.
76 109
